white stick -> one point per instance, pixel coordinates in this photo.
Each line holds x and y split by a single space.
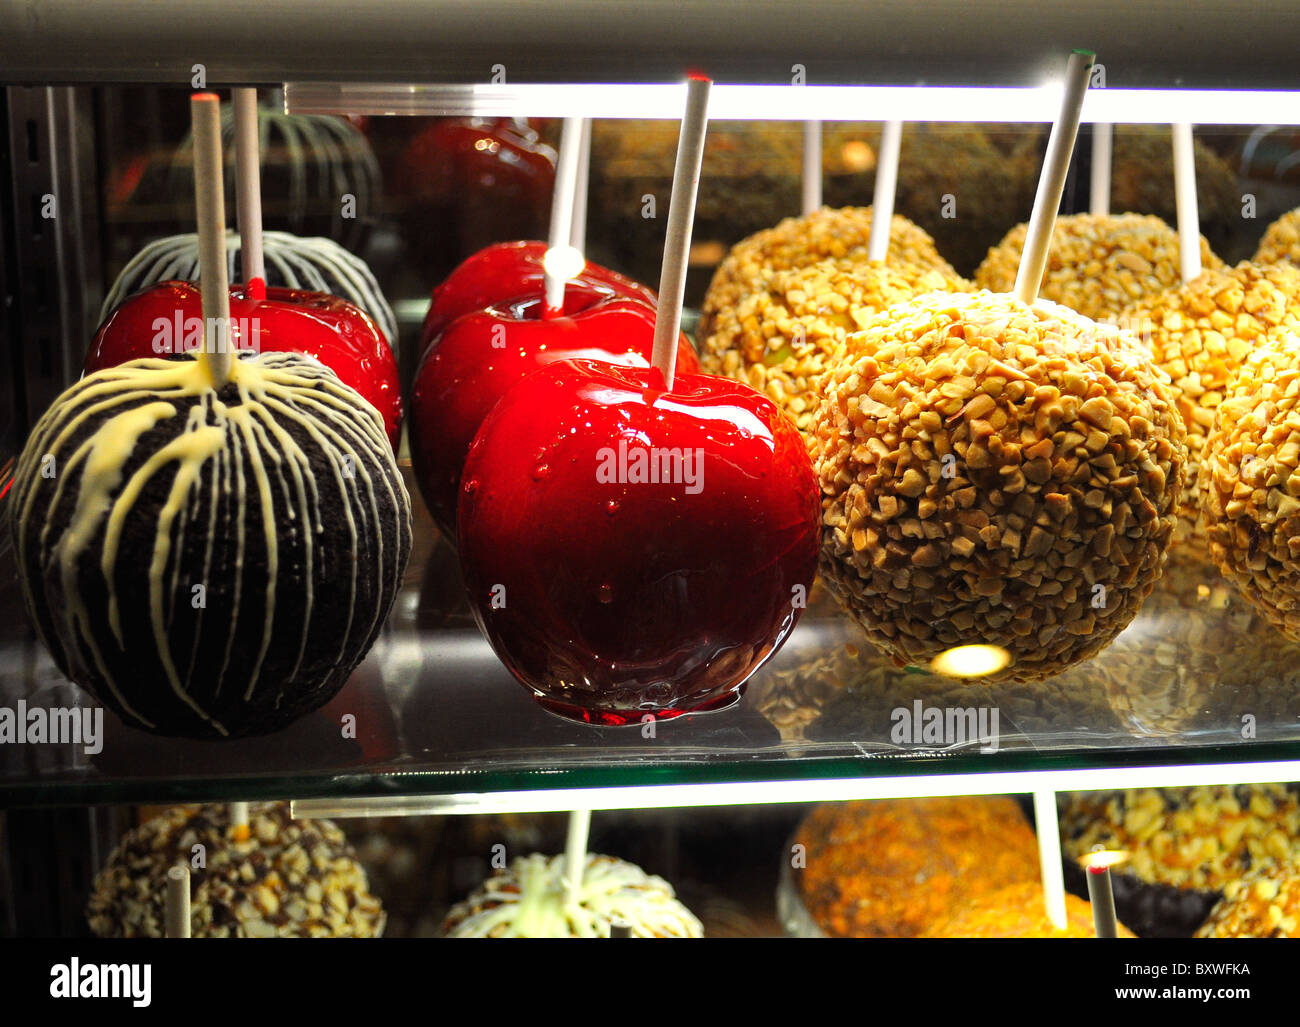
1101 896
1049 857
210 205
812 167
248 185
1099 188
681 217
575 853
1051 183
882 201
239 819
177 915
562 203
578 232
1189 220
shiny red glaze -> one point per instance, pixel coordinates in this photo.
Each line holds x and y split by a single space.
338 334
464 183
455 156
484 353
508 271
619 600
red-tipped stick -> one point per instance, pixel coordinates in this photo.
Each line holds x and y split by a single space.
210 204
248 190
1051 183
1102 896
681 217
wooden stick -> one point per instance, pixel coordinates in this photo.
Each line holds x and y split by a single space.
1051 183
578 233
681 217
1189 219
1049 857
1099 186
210 206
558 254
177 916
812 167
575 853
882 201
248 185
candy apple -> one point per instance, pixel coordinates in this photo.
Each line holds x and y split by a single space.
483 353
508 271
168 318
630 551
468 182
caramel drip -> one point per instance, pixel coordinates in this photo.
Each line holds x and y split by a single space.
229 444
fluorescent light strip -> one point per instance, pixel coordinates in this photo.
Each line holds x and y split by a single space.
753 793
798 103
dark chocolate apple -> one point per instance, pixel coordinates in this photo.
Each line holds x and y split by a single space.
210 563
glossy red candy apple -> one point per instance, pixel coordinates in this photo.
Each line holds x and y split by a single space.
508 271
630 551
485 353
168 318
469 182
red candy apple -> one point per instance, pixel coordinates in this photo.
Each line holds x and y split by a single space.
468 182
508 271
631 551
168 318
484 353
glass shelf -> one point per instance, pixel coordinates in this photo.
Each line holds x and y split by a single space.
437 714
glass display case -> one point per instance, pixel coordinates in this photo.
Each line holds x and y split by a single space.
411 151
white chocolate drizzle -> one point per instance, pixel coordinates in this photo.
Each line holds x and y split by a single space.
238 456
529 900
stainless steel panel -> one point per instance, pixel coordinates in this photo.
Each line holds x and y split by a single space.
1207 43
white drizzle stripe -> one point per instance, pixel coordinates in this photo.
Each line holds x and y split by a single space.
313 263
335 151
528 901
236 442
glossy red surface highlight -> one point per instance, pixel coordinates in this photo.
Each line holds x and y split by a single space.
485 353
611 600
509 271
338 334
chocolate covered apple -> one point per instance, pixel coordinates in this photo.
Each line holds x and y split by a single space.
168 319
210 562
672 538
508 271
482 354
210 545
